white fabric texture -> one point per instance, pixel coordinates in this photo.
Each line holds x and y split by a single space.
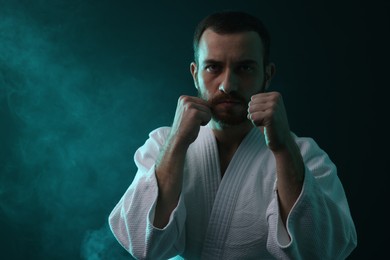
236 217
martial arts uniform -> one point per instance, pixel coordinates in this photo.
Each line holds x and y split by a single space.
237 216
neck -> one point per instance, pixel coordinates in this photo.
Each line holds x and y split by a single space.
232 135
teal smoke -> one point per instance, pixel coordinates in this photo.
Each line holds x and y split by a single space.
69 128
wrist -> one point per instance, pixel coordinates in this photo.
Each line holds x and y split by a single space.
289 157
177 143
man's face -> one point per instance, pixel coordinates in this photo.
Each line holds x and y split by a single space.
229 71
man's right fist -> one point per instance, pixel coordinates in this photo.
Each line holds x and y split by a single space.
191 113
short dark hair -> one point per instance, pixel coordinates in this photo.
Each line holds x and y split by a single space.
226 22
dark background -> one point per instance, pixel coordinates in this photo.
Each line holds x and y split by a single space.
82 83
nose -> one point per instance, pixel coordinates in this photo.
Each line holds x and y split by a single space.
229 82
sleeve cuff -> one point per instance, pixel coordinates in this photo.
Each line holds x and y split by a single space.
176 219
284 235
179 214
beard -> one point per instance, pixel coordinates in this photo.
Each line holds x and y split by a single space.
230 116
233 115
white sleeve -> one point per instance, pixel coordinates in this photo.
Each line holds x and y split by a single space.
319 225
131 221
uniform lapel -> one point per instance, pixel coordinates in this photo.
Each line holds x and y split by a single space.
226 194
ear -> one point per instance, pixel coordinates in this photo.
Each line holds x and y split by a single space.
270 71
194 73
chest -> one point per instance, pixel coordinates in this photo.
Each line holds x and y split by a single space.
225 157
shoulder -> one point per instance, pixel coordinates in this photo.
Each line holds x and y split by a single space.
313 155
160 133
157 138
306 144
146 154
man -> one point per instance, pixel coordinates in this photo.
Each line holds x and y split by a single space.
229 180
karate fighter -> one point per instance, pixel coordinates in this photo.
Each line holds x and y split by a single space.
228 179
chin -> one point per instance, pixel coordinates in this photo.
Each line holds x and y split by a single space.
226 122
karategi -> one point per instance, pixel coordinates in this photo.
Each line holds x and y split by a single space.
237 216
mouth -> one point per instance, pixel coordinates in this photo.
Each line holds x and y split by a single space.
229 101
227 104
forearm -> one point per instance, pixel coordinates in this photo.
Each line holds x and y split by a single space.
320 225
290 173
169 174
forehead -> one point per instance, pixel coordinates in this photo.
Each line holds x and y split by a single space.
232 46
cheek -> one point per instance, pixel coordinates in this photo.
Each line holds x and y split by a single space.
205 80
207 86
202 90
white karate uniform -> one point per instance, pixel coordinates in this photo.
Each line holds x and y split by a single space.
236 217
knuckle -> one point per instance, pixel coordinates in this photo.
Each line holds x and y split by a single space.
186 103
190 105
254 117
274 97
277 96
183 99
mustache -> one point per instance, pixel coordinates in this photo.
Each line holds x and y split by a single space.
231 97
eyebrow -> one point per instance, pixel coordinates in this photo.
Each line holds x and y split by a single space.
246 61
211 61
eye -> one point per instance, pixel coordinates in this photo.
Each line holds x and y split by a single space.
246 68
213 68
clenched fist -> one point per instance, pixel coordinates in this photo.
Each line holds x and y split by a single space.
191 113
267 110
